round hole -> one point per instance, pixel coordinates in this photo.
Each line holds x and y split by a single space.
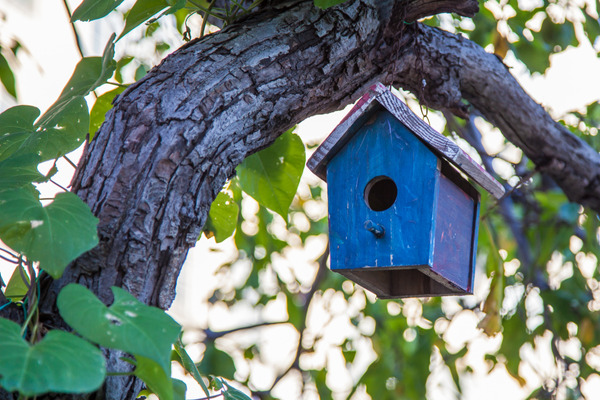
380 193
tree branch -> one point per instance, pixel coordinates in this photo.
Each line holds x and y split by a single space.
456 69
212 335
417 9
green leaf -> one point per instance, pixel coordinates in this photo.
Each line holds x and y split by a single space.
349 355
53 235
13 122
89 10
271 176
61 132
18 118
17 288
532 54
7 77
179 389
324 4
89 73
60 362
120 64
217 362
232 393
100 108
591 27
127 324
189 366
557 34
140 72
155 377
141 11
222 218
20 170
55 136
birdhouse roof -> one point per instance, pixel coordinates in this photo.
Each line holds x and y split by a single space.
381 96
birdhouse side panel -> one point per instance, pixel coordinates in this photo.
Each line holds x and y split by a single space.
382 193
455 234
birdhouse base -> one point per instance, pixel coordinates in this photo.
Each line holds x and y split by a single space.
402 282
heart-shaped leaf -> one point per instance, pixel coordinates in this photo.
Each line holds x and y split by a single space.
20 170
13 123
60 362
18 118
56 136
271 176
127 324
53 235
222 218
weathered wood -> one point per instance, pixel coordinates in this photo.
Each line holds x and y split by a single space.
380 94
456 222
382 147
396 208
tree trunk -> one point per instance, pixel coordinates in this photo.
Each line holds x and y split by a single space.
174 138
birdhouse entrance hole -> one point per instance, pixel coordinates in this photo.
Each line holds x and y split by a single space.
380 193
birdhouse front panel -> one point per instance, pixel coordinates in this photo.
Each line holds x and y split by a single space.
382 198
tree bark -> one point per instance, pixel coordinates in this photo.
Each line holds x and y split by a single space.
455 70
174 138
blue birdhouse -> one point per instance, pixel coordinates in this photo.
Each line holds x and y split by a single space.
403 216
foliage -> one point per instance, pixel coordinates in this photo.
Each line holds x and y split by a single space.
60 362
272 175
537 250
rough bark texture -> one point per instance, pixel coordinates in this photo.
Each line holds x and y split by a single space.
174 138
456 69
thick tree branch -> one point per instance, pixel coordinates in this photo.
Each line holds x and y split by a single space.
417 9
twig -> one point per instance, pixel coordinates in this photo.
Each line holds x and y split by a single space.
75 33
71 162
59 185
205 18
13 255
9 260
212 335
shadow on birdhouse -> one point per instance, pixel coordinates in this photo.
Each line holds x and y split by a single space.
402 219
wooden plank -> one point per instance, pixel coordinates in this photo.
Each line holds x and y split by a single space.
453 250
400 282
